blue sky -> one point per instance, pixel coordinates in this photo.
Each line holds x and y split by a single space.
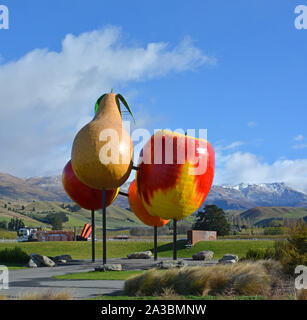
236 68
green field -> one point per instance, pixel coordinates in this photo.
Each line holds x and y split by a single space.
97 275
120 249
8 234
33 212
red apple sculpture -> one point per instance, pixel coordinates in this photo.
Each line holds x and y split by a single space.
86 197
173 180
139 210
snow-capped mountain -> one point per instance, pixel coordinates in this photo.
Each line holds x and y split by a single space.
245 196
237 197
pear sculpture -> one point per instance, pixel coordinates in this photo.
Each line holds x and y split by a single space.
102 150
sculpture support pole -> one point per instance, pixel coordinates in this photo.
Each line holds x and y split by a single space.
104 227
174 240
155 243
93 236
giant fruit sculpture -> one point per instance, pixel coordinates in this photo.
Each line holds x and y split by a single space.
139 210
102 150
174 187
86 197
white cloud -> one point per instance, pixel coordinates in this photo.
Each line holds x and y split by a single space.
252 124
46 96
230 146
247 167
299 137
300 146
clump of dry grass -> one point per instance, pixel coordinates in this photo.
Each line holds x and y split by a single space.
245 278
302 294
46 295
169 294
2 297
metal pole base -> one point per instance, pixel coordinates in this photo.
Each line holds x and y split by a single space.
175 240
93 236
104 228
155 243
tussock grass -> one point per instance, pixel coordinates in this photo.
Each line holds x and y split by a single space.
170 294
302 294
46 295
244 278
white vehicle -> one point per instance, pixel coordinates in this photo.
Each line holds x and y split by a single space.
27 234
90 238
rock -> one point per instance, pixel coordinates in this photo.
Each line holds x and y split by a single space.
169 264
109 267
140 255
229 259
42 261
61 261
63 257
203 255
31 264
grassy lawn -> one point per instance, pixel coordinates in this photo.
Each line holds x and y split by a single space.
8 234
120 249
221 247
16 267
96 275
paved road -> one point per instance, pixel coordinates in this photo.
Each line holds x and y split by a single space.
24 281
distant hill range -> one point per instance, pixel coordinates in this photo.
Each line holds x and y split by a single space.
239 197
44 188
33 198
264 215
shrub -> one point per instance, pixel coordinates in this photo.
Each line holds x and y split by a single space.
280 246
271 231
260 254
13 255
293 251
238 279
15 224
3 225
